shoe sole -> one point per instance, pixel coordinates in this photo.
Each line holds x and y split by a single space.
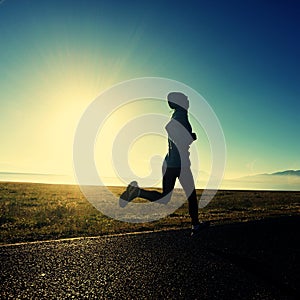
125 198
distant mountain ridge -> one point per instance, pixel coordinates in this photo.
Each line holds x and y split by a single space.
295 173
288 180
287 173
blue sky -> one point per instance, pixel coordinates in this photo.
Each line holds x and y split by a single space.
242 56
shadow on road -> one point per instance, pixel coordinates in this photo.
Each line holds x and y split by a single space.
267 249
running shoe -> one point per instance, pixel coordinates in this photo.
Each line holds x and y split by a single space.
196 229
131 193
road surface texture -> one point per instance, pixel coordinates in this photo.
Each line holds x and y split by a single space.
255 260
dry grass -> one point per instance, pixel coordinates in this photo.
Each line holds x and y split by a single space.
31 211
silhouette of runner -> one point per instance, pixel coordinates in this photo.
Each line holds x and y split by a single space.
176 164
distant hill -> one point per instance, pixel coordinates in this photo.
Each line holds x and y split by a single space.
288 172
284 180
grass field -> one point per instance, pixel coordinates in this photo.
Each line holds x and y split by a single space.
31 211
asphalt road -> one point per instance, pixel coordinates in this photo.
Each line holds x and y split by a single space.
257 260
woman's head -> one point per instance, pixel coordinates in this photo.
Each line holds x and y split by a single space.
177 100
